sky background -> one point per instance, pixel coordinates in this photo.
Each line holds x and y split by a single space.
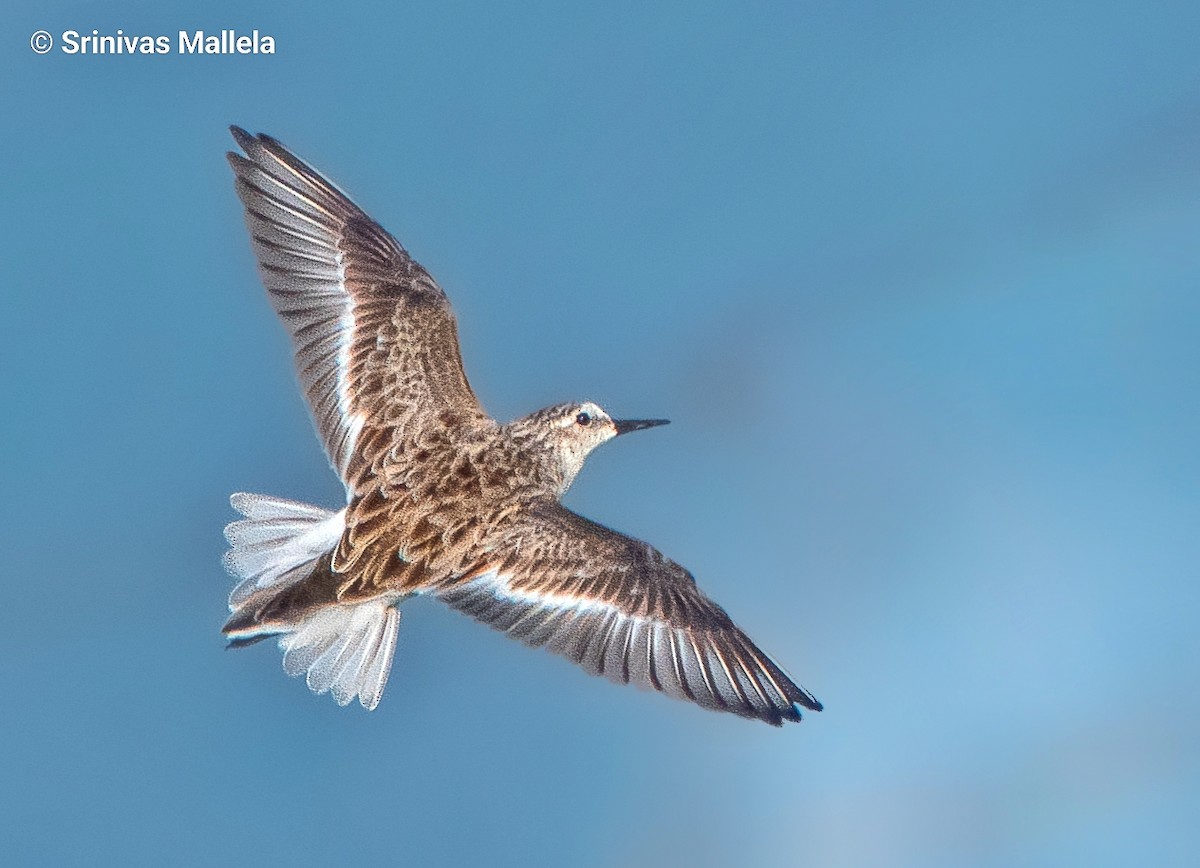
918 284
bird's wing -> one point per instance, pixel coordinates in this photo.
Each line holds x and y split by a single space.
619 608
375 339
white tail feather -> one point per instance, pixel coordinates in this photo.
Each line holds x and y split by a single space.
344 649
276 543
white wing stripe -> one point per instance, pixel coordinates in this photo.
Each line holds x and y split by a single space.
501 586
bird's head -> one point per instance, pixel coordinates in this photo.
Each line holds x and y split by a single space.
571 431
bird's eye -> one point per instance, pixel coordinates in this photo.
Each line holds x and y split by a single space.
584 419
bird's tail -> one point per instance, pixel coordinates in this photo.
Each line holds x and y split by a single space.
281 552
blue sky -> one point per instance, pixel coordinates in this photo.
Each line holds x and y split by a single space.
917 287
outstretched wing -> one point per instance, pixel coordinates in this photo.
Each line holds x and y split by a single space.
375 340
619 608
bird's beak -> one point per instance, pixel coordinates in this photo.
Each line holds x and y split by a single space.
624 426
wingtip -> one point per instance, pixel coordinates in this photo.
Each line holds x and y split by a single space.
270 141
809 701
240 136
251 142
794 713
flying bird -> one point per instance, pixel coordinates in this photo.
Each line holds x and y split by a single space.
441 499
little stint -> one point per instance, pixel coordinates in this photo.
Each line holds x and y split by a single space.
440 498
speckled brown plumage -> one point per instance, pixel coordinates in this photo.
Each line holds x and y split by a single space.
442 499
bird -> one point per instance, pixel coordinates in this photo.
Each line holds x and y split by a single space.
442 500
